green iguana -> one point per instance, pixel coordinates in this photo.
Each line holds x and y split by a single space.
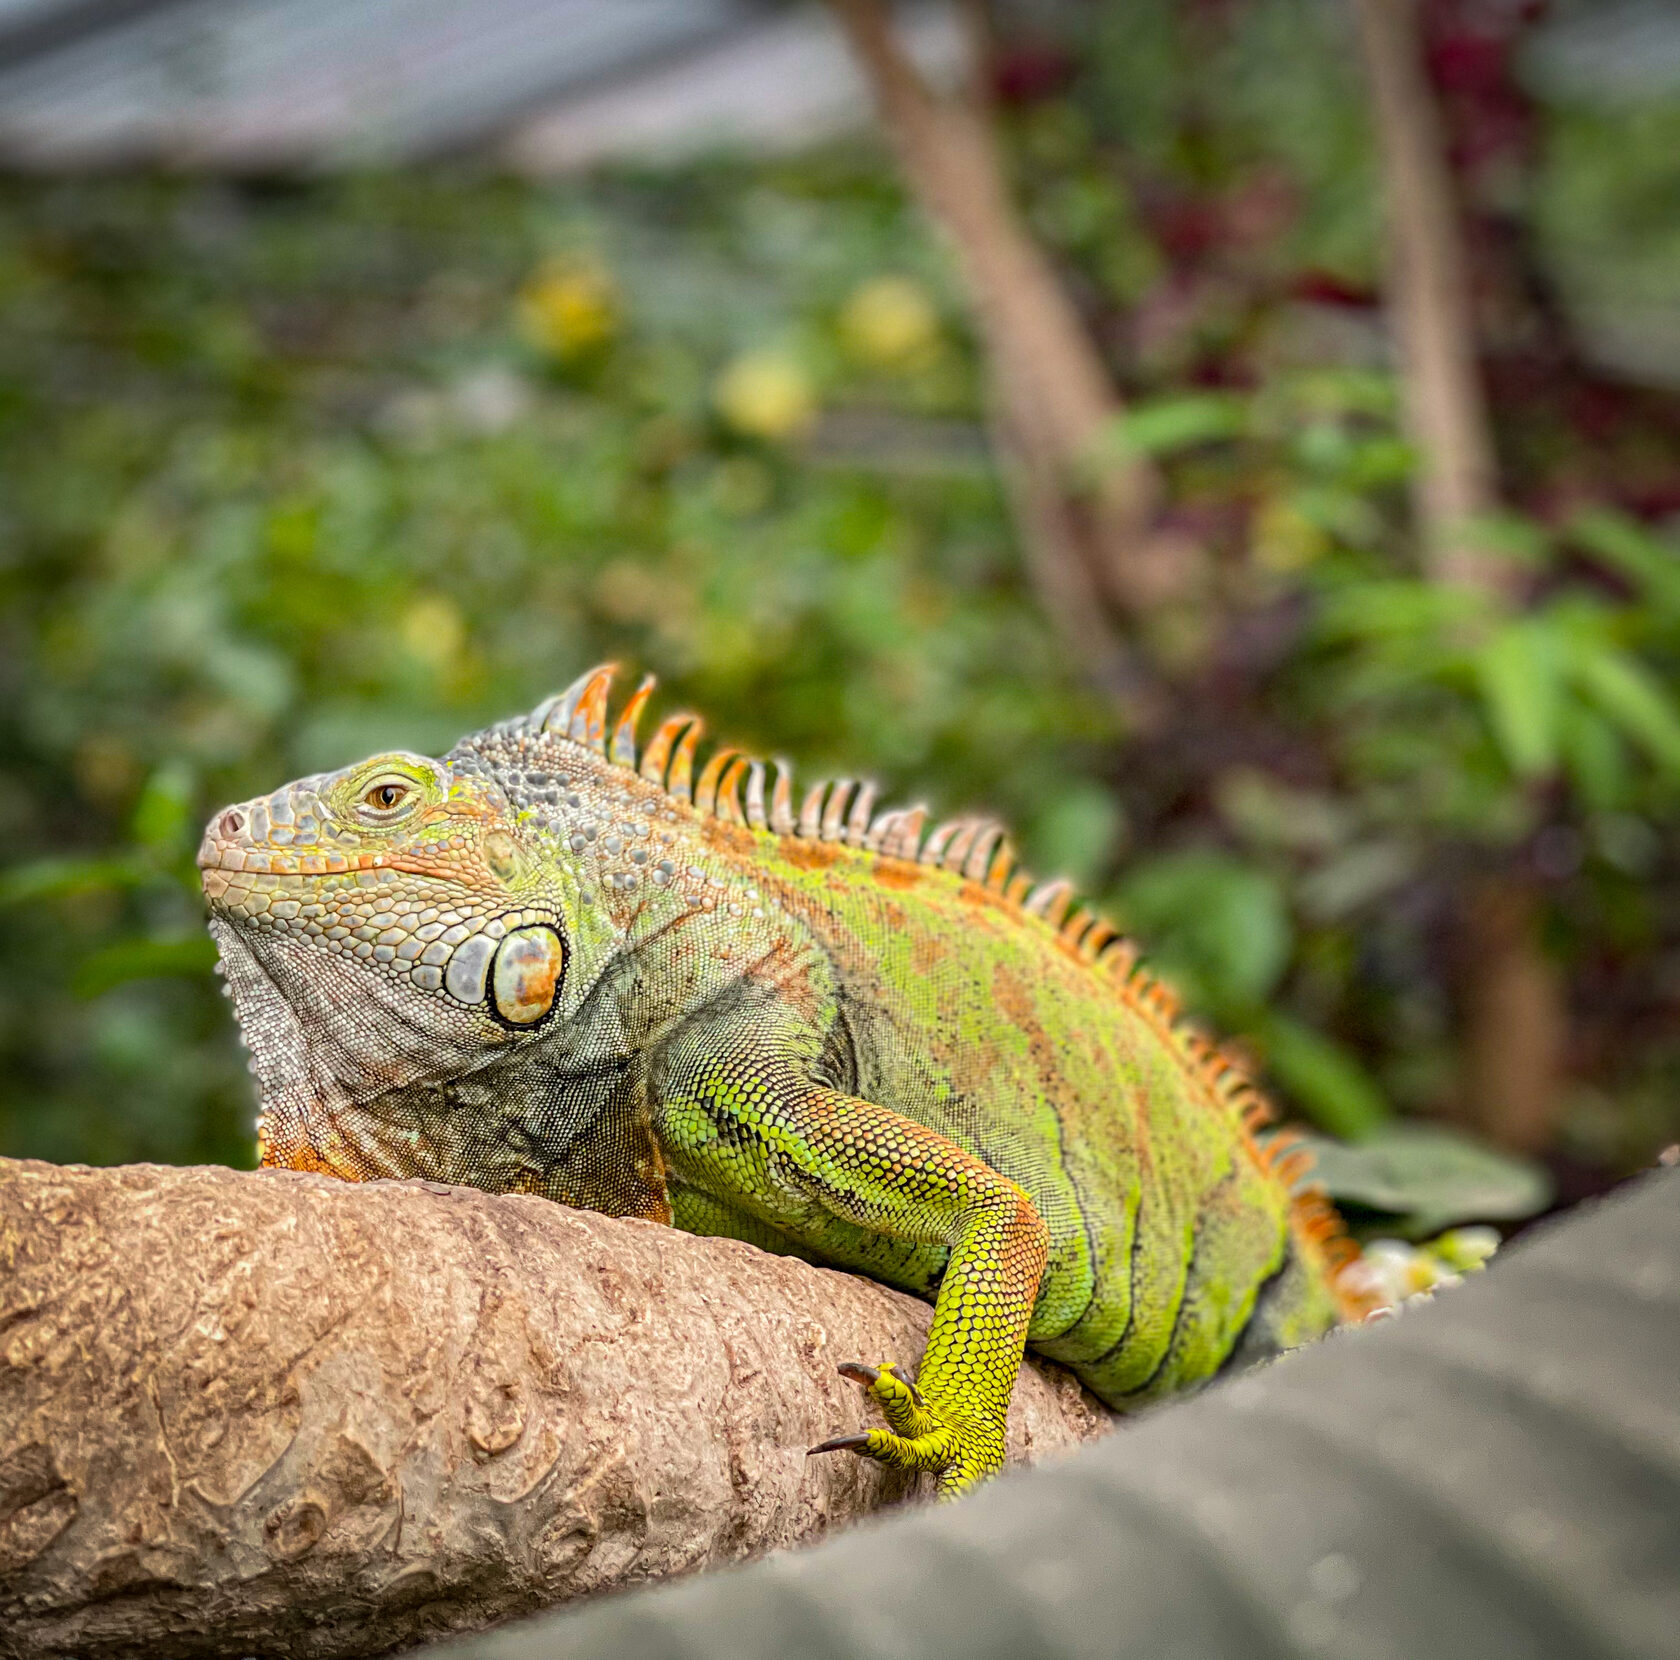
546 964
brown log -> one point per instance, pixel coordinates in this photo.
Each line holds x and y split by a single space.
269 1413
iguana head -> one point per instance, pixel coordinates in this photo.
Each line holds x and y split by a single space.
425 955
386 929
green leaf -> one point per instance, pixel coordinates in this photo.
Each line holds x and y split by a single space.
61 878
1338 391
1222 925
1651 564
1168 424
1077 831
1512 536
1324 1079
1596 757
1517 671
1632 697
163 816
1385 608
1424 1179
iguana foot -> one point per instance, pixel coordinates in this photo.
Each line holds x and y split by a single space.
922 1437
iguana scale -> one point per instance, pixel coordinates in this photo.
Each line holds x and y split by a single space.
549 963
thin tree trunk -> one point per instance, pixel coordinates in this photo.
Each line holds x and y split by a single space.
1513 1008
1090 521
1429 304
1514 1019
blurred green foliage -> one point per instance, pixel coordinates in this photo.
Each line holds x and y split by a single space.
291 472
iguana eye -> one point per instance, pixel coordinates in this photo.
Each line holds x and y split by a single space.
386 796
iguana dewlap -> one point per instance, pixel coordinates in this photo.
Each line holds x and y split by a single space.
544 964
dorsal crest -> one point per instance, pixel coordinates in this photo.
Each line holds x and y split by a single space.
737 789
740 789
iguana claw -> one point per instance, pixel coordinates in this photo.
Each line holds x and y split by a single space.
870 1378
840 1443
922 1437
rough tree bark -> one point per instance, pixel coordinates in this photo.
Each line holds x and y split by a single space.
269 1413
1514 1012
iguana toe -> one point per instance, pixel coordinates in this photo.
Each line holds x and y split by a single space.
922 1437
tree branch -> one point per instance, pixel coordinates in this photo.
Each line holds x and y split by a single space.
264 1412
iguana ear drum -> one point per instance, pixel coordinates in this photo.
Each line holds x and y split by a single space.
525 977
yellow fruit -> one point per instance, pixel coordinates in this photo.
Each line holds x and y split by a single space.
766 395
432 630
889 322
569 307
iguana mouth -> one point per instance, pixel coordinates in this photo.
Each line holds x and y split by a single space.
228 857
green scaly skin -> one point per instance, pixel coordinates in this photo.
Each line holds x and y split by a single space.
535 966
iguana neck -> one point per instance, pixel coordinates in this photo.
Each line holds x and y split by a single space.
683 944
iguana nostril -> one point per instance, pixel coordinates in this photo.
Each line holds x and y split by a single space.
232 822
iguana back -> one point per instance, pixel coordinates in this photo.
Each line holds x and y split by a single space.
550 963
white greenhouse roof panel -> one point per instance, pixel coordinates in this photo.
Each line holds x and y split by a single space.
788 81
259 84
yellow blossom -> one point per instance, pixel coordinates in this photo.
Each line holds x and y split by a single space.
889 322
432 630
1284 539
569 307
766 394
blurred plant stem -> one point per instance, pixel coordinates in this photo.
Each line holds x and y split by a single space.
1512 1006
1098 554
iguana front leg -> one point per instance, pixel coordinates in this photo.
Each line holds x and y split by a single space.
754 1127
